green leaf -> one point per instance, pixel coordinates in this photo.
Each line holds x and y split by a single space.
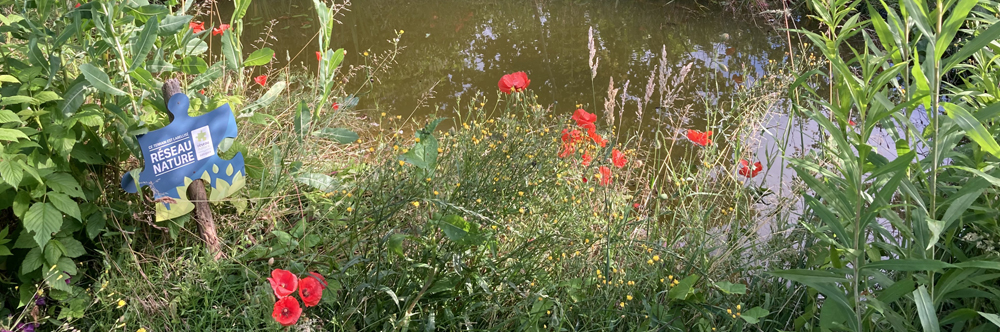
731 288
395 244
993 318
925 308
43 219
72 248
8 79
172 24
455 227
193 65
52 252
65 204
319 181
754 315
683 288
229 51
16 100
8 116
259 57
99 79
64 183
144 43
303 117
206 78
975 45
11 172
340 135
908 264
809 277
973 128
65 264
32 261
44 97
267 98
11 135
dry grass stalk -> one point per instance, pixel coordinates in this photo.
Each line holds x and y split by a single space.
609 103
593 60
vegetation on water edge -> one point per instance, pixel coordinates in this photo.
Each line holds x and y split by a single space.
505 214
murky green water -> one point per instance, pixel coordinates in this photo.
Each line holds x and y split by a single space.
459 47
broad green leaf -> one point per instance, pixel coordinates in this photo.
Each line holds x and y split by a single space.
754 315
172 24
44 97
206 78
683 288
259 57
952 22
395 244
11 135
52 253
43 219
193 65
919 15
72 247
144 43
65 204
319 181
455 228
65 264
8 116
99 79
973 128
11 172
32 261
8 79
267 98
908 264
64 183
73 97
731 288
925 308
15 100
195 46
340 135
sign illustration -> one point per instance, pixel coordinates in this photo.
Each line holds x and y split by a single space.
185 150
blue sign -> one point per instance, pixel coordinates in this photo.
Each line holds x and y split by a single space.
185 150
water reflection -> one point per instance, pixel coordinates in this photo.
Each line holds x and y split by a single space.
469 45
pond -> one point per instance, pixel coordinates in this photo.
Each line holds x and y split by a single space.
459 47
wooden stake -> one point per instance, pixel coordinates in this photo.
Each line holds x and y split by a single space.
196 190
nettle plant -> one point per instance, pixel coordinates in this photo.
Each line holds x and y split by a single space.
77 84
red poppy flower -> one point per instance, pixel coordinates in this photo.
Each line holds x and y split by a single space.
197 27
514 82
262 80
220 29
582 117
618 158
584 179
311 290
319 56
318 276
77 6
746 171
567 150
586 158
605 175
851 122
287 311
571 136
592 132
202 91
336 106
283 282
636 206
700 138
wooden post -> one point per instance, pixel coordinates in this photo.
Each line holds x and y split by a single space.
196 190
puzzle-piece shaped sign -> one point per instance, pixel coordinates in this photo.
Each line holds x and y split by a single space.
184 150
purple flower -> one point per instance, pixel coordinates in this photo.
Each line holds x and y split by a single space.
26 327
40 301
